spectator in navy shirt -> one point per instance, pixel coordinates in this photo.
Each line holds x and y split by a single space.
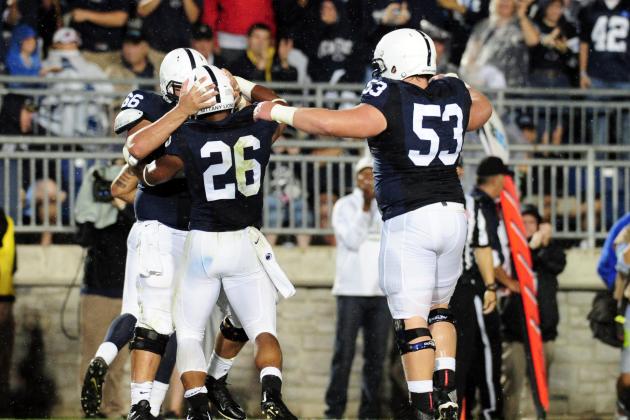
548 37
101 25
604 60
604 38
331 42
168 24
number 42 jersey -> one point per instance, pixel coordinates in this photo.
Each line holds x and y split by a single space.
224 164
415 157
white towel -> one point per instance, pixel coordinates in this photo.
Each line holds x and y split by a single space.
270 264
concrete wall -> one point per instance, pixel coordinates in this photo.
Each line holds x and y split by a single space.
582 378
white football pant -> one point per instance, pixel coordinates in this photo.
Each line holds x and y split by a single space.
214 259
130 291
154 257
421 258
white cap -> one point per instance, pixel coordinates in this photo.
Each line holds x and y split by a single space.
365 162
66 36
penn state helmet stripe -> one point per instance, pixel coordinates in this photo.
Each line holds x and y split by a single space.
214 80
191 58
429 52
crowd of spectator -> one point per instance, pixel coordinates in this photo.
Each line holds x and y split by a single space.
491 43
547 43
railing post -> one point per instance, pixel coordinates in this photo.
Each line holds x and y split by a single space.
319 96
500 105
590 197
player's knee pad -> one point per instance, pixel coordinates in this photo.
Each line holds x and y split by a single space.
405 337
149 340
232 332
441 315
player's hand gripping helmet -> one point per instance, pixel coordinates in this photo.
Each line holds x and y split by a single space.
403 53
223 87
175 68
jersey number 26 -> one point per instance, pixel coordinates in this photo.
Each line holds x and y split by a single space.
422 111
242 166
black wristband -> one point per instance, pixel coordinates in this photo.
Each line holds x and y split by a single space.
492 287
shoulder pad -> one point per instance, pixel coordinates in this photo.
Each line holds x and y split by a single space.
126 119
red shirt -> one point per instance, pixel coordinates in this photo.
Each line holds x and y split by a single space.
236 16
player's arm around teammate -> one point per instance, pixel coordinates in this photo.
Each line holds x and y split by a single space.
148 137
359 122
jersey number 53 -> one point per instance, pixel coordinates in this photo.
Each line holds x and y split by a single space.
423 111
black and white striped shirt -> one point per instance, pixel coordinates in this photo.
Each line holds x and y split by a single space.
483 225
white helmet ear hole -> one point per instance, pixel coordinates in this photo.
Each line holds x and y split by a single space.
393 69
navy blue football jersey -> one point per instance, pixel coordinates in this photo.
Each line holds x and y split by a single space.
168 203
607 32
225 164
415 157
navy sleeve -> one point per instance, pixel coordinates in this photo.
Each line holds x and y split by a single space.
376 93
147 102
584 25
175 145
118 5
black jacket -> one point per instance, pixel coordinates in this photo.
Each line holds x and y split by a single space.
548 262
104 270
247 70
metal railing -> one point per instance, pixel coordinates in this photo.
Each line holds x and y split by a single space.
582 190
87 107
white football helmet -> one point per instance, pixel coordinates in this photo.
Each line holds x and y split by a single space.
403 53
225 96
175 68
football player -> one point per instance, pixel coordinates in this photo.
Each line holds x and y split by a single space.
170 206
145 141
161 227
414 122
225 155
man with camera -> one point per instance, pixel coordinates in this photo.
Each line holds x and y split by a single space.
104 223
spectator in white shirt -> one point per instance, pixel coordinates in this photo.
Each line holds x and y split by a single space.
360 301
67 110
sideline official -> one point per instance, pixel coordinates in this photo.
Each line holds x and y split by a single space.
478 362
